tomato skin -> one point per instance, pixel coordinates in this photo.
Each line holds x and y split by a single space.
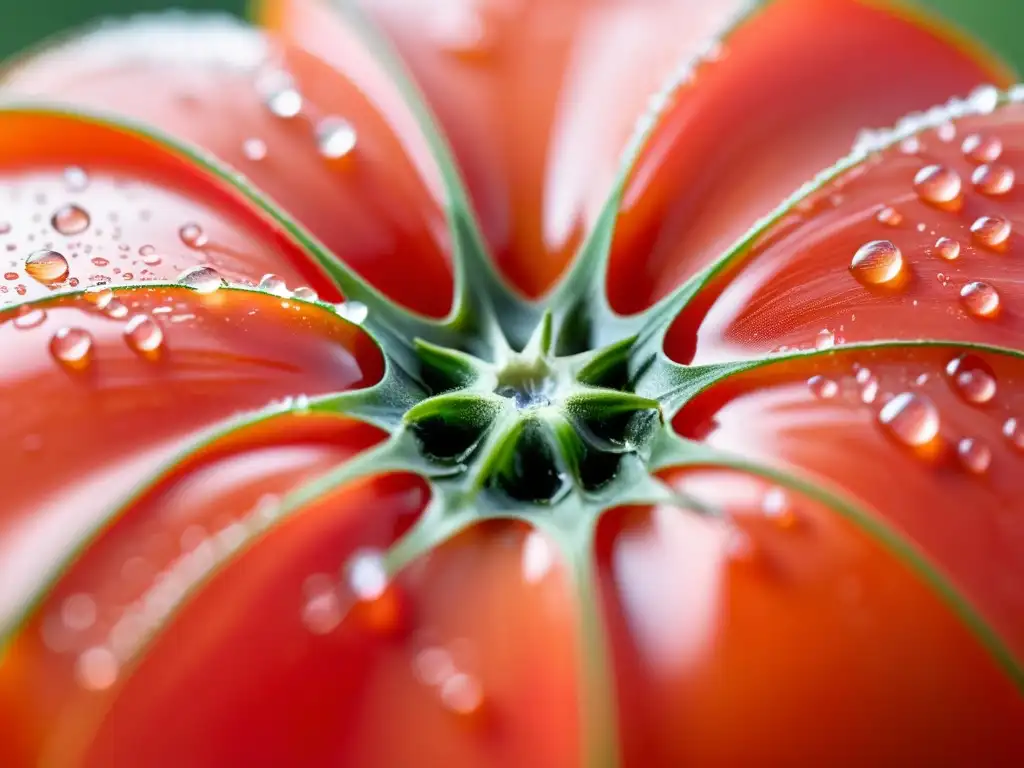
197 538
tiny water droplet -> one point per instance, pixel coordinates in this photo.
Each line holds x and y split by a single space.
47 266
75 178
993 180
982 149
911 418
201 279
947 248
321 612
776 507
305 293
96 669
274 284
280 94
1013 430
974 455
991 231
99 261
353 311
980 299
29 317
877 262
822 387
254 149
825 339
99 295
70 220
335 137
193 236
889 216
937 184
71 346
366 576
143 334
149 255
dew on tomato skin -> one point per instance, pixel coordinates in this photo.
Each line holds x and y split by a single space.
1013 430
97 669
991 231
149 255
366 575
822 387
75 178
201 279
99 261
911 418
976 386
116 309
143 334
70 220
78 612
776 507
937 184
910 145
254 149
274 284
868 387
192 235
71 346
99 295
462 694
877 262
335 137
305 293
947 248
974 455
946 132
993 180
321 611
11 275
280 95
353 311
538 557
980 299
889 216
981 149
29 317
46 266
825 339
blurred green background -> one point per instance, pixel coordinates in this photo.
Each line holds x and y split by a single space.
1000 23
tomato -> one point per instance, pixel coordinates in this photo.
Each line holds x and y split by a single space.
479 383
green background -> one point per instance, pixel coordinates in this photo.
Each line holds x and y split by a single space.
999 22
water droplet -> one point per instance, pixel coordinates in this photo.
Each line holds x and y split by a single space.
75 178
947 248
776 507
321 612
143 334
433 665
1013 430
193 236
976 386
335 137
974 455
822 387
353 311
99 261
911 418
201 279
868 383
29 317
910 145
78 612
99 295
305 293
462 694
70 220
993 180
825 339
71 346
116 309
149 255
254 149
937 184
982 149
366 575
991 231
47 266
280 94
538 557
889 216
96 669
275 285
980 299
877 262
984 98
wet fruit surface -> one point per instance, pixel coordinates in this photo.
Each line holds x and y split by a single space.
377 390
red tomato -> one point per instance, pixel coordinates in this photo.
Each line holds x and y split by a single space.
378 391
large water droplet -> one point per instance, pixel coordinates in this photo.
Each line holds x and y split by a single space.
201 279
192 235
976 386
937 184
70 220
991 231
980 299
305 293
47 266
947 248
877 262
275 285
29 317
993 180
71 346
974 455
335 137
911 418
982 149
353 311
825 339
366 575
143 334
96 669
822 387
